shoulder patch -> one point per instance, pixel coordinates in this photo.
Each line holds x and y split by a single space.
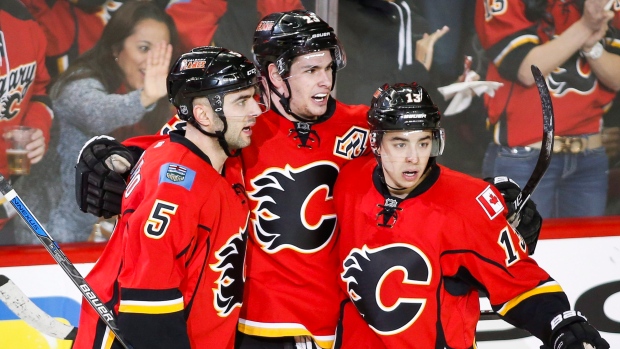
177 174
491 204
352 144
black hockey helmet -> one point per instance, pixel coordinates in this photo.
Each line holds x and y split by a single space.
282 36
210 72
404 107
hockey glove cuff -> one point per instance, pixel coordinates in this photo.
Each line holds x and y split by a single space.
571 330
99 176
529 222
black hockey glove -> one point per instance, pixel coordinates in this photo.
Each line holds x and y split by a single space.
99 176
529 221
571 330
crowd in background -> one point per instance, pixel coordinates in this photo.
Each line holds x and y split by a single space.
71 70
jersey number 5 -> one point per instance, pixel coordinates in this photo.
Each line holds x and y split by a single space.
159 219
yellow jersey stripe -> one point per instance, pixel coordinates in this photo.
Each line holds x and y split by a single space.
142 307
546 288
524 39
282 330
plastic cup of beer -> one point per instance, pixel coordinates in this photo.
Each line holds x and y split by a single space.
16 138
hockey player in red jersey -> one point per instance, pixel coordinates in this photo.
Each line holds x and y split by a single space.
173 269
291 257
290 169
418 241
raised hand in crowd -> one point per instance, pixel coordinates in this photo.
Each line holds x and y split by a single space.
424 47
157 65
596 17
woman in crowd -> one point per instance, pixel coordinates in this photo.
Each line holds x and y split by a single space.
117 87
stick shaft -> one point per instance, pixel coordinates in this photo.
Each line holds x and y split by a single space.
546 149
52 247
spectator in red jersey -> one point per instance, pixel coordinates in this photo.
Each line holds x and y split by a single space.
74 26
23 97
577 48
418 241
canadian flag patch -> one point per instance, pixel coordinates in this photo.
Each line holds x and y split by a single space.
491 204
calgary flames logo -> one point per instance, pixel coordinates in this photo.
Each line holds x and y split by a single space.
377 280
294 207
13 88
231 257
573 76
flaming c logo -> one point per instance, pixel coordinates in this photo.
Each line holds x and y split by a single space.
377 279
294 207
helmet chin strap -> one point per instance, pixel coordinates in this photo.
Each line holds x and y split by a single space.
219 135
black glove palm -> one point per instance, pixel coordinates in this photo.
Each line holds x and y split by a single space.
529 220
98 188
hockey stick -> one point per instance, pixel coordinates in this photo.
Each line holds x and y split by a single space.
104 313
544 158
25 309
546 148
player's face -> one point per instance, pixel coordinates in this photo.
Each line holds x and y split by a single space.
132 56
404 156
241 109
311 82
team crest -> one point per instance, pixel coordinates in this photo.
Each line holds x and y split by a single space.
353 144
294 207
14 85
387 285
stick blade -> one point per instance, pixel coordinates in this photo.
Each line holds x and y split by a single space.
26 310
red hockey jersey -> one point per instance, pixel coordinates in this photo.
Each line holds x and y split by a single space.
410 267
23 77
173 269
508 36
291 285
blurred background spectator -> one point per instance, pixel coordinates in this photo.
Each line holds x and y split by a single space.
578 53
117 88
23 98
72 27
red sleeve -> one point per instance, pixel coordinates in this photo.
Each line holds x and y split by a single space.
38 111
498 21
266 7
196 21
